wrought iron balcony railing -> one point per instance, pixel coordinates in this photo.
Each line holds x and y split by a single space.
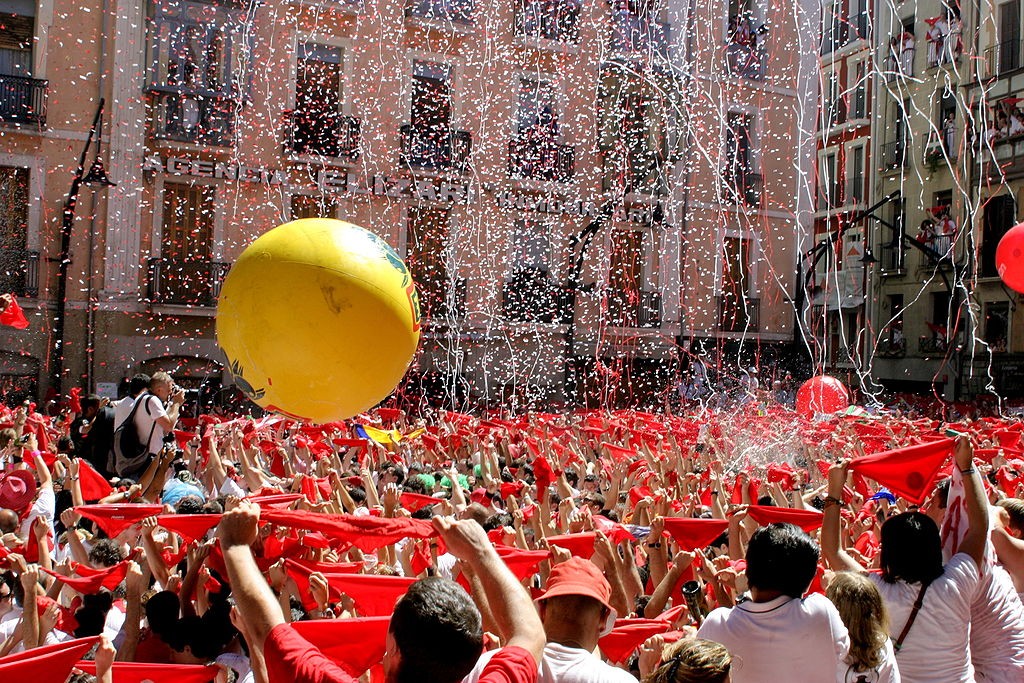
738 314
558 21
181 282
23 100
332 135
439 149
19 272
745 61
540 159
455 11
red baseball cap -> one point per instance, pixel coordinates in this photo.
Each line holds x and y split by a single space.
577 576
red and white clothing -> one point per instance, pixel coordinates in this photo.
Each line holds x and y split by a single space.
997 629
935 650
786 639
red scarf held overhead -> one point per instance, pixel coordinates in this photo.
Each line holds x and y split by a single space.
908 472
365 532
580 545
47 663
808 520
374 596
116 517
415 501
92 580
543 475
353 644
136 672
189 527
628 635
693 534
91 482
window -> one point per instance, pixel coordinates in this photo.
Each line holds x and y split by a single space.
855 190
548 19
902 47
834 28
893 253
828 183
15 261
17 35
1009 37
1000 216
860 25
745 41
184 273
456 11
429 141
897 341
313 206
859 106
531 247
737 311
625 278
537 107
318 126
426 244
942 142
637 28
196 77
832 105
640 146
741 184
997 326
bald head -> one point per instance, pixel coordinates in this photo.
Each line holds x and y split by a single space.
8 521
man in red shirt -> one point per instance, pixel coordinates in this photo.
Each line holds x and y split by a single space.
435 635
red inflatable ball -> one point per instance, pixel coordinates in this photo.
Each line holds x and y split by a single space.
1010 258
822 394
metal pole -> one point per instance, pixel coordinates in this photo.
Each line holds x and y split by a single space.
66 226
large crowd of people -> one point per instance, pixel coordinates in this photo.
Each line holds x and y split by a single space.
753 544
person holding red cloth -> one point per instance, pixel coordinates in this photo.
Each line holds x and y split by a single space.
435 635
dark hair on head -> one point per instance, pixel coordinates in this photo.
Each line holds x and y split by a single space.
911 548
139 382
766 500
92 615
497 521
572 478
782 557
394 469
106 552
90 401
416 485
189 505
593 499
358 494
65 445
162 611
438 631
212 507
425 512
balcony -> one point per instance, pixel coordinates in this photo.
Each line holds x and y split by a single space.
19 272
1003 58
435 150
900 61
894 347
745 189
632 34
536 158
442 301
23 100
197 119
745 61
738 314
938 148
633 308
316 134
835 34
176 282
534 297
893 155
559 21
892 258
932 346
448 11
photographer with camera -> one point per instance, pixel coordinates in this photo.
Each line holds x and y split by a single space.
153 422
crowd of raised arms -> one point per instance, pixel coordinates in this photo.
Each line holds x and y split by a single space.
749 545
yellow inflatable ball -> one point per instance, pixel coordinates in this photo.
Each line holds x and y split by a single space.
318 319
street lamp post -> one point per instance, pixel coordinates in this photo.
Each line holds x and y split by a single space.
96 176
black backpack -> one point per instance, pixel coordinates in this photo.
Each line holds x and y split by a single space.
129 450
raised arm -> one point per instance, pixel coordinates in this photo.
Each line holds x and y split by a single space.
838 559
974 496
510 604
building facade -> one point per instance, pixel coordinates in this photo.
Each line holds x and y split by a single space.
578 188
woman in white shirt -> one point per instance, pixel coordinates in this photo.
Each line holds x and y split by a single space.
929 603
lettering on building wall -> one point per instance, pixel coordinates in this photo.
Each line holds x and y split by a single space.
218 170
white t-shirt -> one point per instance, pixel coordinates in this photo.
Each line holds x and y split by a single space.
45 506
886 672
785 639
562 664
122 409
997 629
145 421
935 649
